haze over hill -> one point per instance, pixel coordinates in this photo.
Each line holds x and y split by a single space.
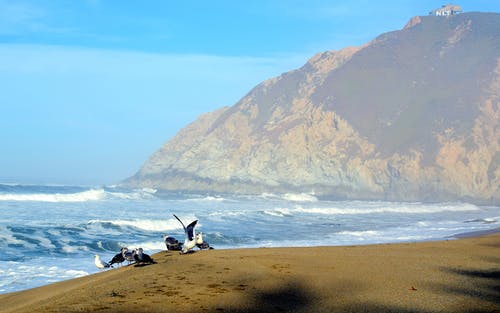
413 116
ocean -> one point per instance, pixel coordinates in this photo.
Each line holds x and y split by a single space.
51 233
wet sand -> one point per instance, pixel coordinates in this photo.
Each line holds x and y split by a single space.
444 276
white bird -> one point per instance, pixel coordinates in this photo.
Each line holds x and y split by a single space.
100 263
199 238
200 243
190 241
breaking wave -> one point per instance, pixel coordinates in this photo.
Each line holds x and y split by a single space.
81 196
89 195
143 224
206 199
280 212
301 197
292 197
406 208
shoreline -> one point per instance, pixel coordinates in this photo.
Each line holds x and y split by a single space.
469 234
459 275
478 233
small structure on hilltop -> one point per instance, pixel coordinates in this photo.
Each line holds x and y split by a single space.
447 10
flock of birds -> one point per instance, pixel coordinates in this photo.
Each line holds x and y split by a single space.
138 256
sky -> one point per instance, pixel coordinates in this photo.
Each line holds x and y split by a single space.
89 89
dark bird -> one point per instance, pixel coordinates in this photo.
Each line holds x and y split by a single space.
141 257
118 258
172 243
128 255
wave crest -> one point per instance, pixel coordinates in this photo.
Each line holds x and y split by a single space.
371 208
88 195
144 224
82 196
279 212
300 197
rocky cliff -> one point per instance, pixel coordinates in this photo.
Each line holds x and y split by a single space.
411 116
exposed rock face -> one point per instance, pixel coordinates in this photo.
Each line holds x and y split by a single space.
411 116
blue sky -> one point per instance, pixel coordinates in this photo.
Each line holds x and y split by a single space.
91 88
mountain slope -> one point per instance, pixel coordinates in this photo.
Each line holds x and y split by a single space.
412 115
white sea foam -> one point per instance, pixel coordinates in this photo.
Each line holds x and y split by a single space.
360 234
301 197
226 213
74 249
149 190
267 195
7 237
83 196
144 224
35 240
88 195
42 241
19 274
206 199
292 197
388 208
280 212
75 273
222 216
483 220
134 195
148 246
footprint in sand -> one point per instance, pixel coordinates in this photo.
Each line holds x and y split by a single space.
240 287
217 288
281 268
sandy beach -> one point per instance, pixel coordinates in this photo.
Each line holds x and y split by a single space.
444 276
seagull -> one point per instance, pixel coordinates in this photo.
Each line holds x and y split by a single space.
118 258
141 257
199 238
172 243
128 255
200 243
190 241
100 263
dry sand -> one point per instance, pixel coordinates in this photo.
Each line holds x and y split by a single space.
444 276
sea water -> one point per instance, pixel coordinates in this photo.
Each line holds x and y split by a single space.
51 233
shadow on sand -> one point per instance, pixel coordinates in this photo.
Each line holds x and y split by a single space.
292 296
483 285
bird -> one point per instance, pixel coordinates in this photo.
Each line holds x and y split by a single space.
190 241
100 263
200 243
128 255
141 257
199 238
118 258
172 243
